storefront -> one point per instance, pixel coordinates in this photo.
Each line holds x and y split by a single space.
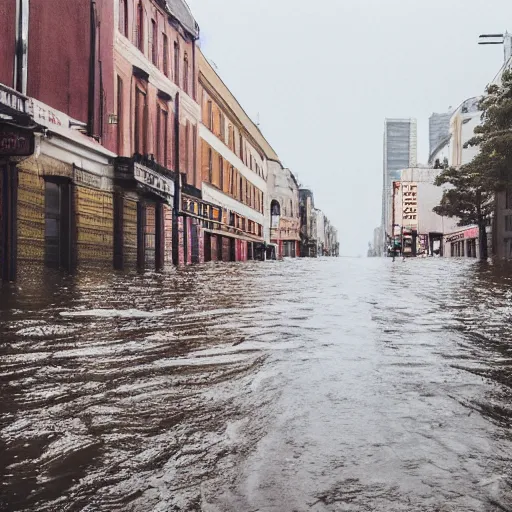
462 244
143 221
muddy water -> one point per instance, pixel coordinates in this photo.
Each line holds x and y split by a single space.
309 385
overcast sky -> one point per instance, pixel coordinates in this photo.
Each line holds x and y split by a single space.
322 75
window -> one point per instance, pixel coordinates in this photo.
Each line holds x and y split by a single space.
508 198
123 17
210 115
119 115
508 222
140 125
176 63
185 73
222 127
154 43
232 181
165 54
187 148
231 139
162 135
221 173
210 165
139 29
241 155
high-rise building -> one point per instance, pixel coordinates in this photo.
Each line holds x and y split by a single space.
439 131
400 152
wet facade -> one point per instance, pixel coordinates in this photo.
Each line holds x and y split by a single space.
141 159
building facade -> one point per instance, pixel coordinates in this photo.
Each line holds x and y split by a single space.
157 115
400 152
234 173
56 178
439 136
125 148
283 194
308 242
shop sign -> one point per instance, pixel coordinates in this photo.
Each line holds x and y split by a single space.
46 116
16 142
153 180
455 238
12 100
410 205
471 233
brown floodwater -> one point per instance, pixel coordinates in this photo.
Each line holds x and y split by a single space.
304 385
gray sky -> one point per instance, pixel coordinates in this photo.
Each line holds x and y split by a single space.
323 75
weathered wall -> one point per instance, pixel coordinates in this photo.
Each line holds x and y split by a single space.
94 227
7 41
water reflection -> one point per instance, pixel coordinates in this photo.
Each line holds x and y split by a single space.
307 385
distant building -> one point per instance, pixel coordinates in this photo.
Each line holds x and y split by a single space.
400 152
308 244
283 192
439 134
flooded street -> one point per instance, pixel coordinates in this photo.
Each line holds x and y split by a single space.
304 385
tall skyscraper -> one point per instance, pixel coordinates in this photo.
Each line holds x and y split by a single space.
439 131
400 152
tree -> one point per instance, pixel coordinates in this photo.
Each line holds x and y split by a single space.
473 186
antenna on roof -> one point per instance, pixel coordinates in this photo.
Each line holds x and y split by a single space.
213 65
258 119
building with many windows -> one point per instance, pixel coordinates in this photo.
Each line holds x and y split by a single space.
400 152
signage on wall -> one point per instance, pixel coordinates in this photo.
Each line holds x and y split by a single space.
153 179
455 238
16 142
410 205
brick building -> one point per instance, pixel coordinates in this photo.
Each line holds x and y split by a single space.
55 176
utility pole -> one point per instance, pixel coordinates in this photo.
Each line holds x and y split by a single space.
504 39
393 222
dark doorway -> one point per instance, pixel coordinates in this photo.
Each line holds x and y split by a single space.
59 216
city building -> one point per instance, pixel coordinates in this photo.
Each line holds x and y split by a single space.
400 152
234 174
155 86
439 138
308 230
56 177
124 148
417 226
319 231
283 194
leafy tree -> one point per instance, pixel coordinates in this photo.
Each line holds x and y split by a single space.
473 186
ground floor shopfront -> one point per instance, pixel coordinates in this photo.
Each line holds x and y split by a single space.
462 244
287 248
